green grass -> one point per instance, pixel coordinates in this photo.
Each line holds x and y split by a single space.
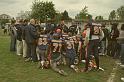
119 74
14 69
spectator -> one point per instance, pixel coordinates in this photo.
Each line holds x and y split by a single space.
25 24
13 35
121 41
30 37
19 37
104 40
114 35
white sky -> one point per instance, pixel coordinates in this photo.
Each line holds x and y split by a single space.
95 7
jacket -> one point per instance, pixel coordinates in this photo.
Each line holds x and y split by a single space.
31 34
19 31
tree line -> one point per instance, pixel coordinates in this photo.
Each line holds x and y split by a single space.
45 11
117 14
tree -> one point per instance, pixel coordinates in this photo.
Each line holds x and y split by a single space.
58 17
65 15
120 13
99 18
43 10
83 14
112 15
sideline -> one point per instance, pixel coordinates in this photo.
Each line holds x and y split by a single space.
113 73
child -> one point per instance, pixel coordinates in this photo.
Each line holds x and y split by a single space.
71 53
42 51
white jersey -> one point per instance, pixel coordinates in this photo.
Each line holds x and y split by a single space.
94 37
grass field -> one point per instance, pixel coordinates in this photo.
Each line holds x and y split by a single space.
14 69
119 74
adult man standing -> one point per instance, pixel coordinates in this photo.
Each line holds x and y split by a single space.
93 35
63 27
30 37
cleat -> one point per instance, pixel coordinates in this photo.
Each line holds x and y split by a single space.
63 73
75 68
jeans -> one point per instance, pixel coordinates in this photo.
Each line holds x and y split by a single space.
103 47
109 48
71 54
122 53
114 48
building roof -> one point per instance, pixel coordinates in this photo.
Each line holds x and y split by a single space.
5 16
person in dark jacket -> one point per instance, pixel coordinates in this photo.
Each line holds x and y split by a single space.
114 34
31 37
104 40
25 25
121 41
18 26
63 27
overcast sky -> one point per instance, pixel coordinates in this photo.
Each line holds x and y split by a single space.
95 7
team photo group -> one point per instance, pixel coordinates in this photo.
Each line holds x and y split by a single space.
52 45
